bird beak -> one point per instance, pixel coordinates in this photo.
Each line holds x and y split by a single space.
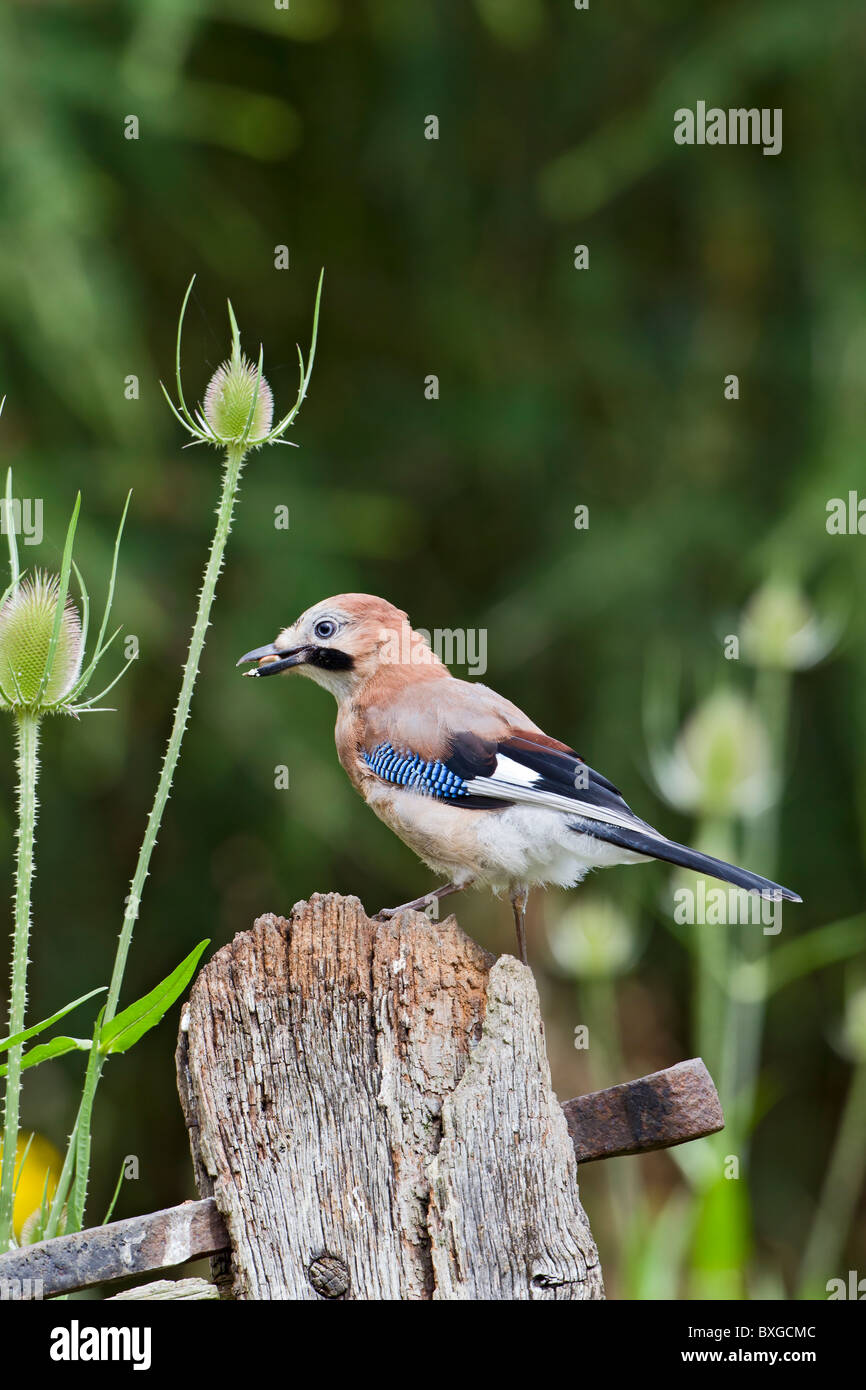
270 660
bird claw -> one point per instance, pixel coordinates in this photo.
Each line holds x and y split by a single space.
429 904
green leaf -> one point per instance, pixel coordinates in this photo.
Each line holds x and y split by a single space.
101 645
34 1230
22 1163
62 591
85 605
6 1043
113 1203
136 1020
14 568
177 351
43 1052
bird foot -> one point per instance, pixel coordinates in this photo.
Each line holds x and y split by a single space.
428 904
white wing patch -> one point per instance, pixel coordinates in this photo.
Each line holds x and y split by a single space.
514 782
507 770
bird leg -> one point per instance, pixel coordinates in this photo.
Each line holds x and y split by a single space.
519 897
419 904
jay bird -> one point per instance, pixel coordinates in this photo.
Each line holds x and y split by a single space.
467 780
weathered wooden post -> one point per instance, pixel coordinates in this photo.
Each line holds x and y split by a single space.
371 1116
370 1106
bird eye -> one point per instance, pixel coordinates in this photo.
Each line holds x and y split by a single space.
325 629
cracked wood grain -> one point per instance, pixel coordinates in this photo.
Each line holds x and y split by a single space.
370 1106
505 1218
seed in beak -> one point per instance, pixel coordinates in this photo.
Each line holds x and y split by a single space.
262 661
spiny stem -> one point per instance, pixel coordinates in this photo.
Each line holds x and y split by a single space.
27 732
231 479
80 1136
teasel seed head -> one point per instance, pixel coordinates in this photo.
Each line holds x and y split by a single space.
27 620
236 389
237 412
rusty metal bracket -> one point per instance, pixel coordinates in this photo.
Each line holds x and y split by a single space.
655 1112
140 1245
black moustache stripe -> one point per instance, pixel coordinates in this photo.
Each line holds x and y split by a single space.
330 659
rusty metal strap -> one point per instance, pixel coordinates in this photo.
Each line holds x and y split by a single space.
140 1245
655 1112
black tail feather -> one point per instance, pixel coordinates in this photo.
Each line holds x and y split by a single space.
686 858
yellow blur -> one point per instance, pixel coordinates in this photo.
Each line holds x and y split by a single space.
42 1159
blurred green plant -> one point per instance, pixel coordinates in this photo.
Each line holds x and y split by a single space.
728 768
725 768
596 941
843 1180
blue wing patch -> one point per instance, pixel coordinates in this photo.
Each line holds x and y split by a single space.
411 770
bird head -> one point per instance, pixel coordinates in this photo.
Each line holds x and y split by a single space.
343 642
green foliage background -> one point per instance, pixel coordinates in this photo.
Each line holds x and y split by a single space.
304 126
